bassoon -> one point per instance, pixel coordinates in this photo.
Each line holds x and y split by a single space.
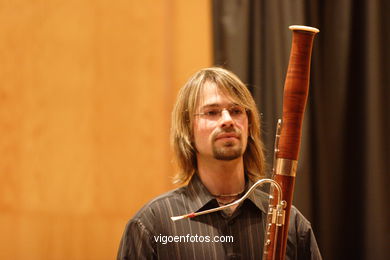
287 144
288 140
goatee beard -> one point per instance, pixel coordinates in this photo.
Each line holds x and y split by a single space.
229 150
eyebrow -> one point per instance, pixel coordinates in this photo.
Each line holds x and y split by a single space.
214 105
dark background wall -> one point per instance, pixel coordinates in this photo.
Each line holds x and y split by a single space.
343 177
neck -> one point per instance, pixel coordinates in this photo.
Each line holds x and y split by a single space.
222 177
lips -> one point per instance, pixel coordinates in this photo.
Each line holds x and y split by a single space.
227 135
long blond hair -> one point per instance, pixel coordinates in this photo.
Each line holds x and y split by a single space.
182 122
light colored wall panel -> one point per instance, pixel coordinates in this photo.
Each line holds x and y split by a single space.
86 91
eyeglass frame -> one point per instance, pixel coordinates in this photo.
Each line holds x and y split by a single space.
227 109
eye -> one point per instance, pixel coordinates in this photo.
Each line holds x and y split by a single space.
236 111
212 112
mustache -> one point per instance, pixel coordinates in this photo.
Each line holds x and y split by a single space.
228 130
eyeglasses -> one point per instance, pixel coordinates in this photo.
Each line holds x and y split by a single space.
215 113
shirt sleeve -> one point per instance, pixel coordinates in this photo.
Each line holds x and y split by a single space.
136 242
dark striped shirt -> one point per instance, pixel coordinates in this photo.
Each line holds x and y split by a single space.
150 234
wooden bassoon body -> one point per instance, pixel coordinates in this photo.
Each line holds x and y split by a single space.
296 91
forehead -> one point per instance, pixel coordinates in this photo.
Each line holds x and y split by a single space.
211 94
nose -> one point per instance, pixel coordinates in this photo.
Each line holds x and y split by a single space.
226 119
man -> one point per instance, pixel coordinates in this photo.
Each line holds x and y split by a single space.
216 139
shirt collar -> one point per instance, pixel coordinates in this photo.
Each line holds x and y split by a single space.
258 197
199 196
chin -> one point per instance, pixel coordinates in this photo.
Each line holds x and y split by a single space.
227 155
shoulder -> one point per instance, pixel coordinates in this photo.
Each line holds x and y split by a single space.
173 196
298 223
158 211
138 240
301 243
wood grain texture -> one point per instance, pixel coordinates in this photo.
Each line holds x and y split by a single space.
86 90
296 91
